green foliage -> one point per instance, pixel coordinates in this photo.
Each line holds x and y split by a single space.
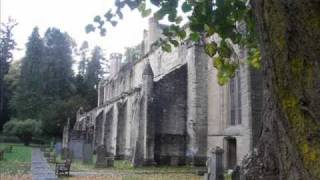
186 7
23 129
231 20
132 54
45 87
211 48
254 58
94 73
7 45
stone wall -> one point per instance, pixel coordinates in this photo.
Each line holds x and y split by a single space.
170 112
197 102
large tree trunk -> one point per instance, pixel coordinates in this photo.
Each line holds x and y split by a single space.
289 145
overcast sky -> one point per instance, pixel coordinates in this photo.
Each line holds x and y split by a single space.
72 16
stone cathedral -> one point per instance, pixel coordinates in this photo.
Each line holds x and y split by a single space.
167 108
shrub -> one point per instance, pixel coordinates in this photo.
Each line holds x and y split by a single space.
23 129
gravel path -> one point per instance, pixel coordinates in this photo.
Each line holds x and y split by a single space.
40 169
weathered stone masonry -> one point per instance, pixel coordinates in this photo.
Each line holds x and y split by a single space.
167 108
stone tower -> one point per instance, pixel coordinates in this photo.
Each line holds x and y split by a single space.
115 59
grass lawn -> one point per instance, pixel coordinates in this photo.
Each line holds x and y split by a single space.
122 170
17 162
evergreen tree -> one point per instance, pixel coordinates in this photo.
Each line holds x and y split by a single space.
57 70
83 59
94 74
28 99
7 45
32 62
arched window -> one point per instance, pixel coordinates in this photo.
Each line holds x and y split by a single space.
235 100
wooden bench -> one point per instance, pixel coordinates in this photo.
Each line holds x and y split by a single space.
1 155
63 168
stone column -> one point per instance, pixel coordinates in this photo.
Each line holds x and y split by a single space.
100 94
197 102
154 32
215 165
147 123
115 60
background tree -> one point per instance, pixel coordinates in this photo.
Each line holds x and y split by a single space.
28 98
23 129
12 81
57 69
94 74
83 63
132 54
7 45
46 87
289 35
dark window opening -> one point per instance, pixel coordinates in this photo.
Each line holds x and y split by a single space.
231 153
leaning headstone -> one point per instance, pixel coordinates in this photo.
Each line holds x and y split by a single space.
101 154
76 146
215 165
87 153
58 148
102 160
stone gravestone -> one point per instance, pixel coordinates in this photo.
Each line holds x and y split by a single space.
236 173
102 160
76 146
66 154
215 165
58 148
87 153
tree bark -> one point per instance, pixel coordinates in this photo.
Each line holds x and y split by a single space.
289 143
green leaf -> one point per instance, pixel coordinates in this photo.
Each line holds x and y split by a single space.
103 32
97 19
108 15
179 19
119 13
182 34
114 23
224 50
166 47
172 16
174 42
195 36
218 62
155 2
142 6
146 13
186 7
159 15
254 58
211 49
209 30
167 32
90 28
